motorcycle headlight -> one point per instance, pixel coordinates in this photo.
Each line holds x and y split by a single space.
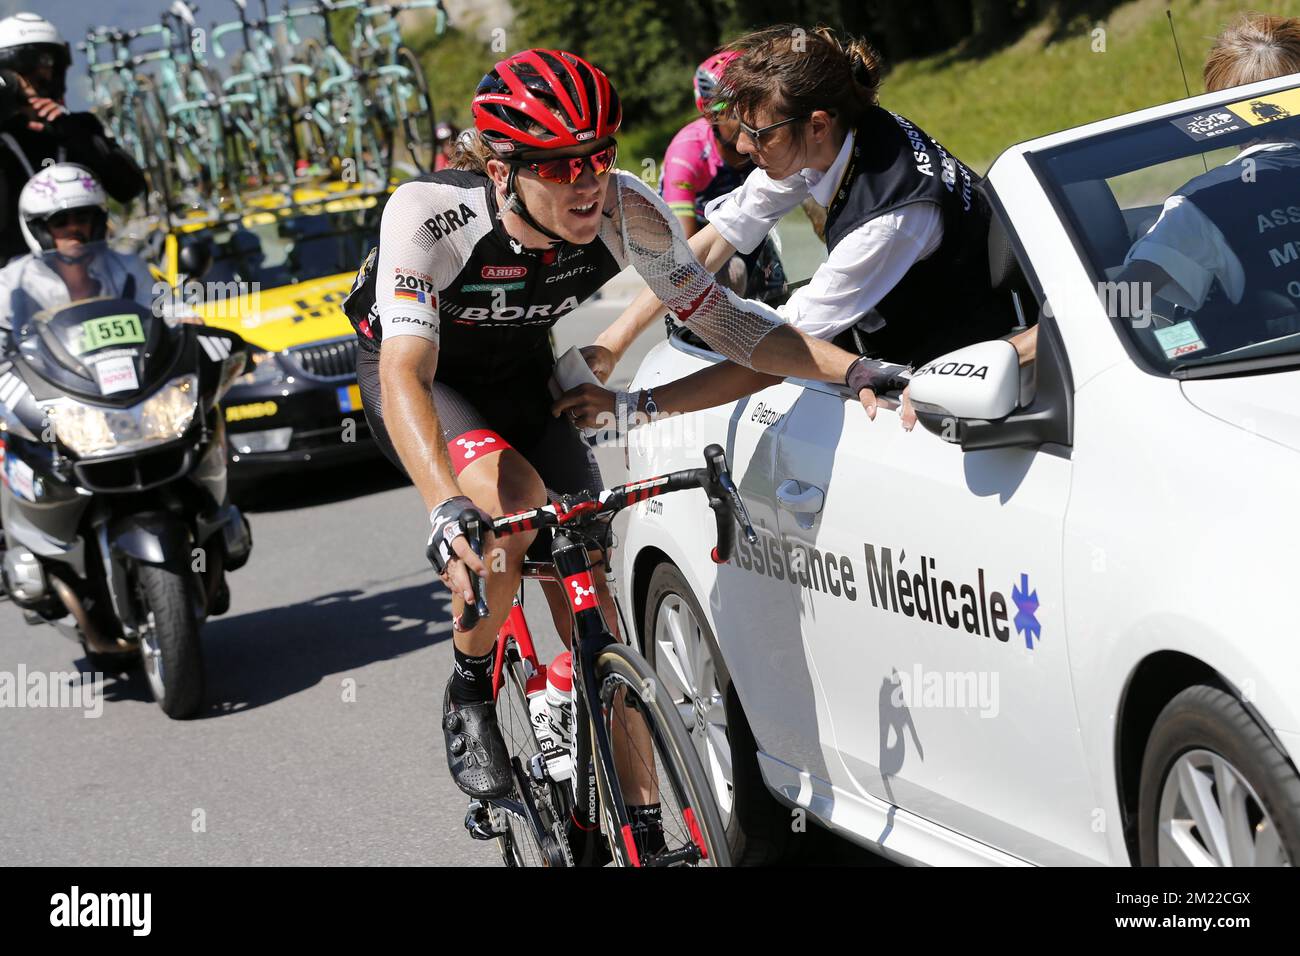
266 369
93 430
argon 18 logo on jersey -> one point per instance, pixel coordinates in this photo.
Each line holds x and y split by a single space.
504 272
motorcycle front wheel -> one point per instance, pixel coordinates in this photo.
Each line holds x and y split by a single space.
169 644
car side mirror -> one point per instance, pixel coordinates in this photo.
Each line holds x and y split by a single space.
979 382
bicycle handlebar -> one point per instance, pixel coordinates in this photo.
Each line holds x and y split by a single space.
714 479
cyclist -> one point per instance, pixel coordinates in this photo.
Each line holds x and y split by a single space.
452 312
702 163
63 209
35 126
906 230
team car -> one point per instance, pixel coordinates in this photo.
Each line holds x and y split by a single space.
278 276
1049 627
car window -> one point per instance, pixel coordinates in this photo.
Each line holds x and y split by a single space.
1191 228
290 250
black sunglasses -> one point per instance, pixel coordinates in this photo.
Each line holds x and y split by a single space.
757 134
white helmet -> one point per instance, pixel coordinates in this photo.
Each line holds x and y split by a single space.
54 188
28 42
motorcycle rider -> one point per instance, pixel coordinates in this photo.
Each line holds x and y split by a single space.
36 127
63 210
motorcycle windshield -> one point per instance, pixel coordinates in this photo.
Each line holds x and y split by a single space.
79 320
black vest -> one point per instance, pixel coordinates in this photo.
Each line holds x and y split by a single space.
941 303
1255 202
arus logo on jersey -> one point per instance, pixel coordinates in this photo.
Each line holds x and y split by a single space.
504 272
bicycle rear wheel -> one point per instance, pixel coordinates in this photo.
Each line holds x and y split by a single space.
692 827
520 842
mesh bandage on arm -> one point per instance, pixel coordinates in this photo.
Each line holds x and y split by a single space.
653 244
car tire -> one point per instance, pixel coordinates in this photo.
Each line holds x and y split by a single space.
758 827
1204 743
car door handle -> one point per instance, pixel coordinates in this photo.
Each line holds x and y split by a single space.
800 498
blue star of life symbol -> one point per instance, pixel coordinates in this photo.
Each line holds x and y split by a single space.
1026 602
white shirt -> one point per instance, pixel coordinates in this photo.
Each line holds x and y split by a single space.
864 265
1191 249
34 276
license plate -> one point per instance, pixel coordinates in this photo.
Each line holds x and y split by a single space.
349 398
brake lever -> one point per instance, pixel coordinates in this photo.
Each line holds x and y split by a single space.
472 525
738 506
720 475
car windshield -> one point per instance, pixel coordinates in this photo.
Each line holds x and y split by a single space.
1190 227
278 250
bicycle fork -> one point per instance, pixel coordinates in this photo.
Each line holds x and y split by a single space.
591 635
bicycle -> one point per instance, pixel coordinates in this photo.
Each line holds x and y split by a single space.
398 86
340 128
611 681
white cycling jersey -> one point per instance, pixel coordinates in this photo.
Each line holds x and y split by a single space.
444 262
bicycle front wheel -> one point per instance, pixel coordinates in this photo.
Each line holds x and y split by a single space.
654 762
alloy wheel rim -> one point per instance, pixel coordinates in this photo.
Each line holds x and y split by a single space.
684 662
1211 816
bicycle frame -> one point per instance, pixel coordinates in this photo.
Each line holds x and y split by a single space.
571 567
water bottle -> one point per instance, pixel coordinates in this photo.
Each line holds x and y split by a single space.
553 733
559 697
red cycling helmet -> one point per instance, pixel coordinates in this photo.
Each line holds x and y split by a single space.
545 99
708 77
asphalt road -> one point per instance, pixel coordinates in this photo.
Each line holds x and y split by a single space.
319 741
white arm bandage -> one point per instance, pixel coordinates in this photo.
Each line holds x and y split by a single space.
654 245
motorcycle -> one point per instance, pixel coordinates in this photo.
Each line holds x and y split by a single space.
118 527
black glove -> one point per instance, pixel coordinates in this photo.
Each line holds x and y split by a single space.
877 376
445 519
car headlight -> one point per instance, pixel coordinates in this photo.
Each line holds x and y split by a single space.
266 369
94 430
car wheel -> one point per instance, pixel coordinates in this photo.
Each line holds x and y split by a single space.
1215 790
681 648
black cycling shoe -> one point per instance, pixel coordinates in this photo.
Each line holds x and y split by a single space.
476 751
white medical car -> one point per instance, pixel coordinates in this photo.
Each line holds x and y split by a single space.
1056 624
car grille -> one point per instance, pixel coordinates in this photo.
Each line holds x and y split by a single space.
328 360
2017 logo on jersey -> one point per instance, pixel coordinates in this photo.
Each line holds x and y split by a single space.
414 287
443 224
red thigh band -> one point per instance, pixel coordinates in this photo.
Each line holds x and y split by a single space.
471 446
